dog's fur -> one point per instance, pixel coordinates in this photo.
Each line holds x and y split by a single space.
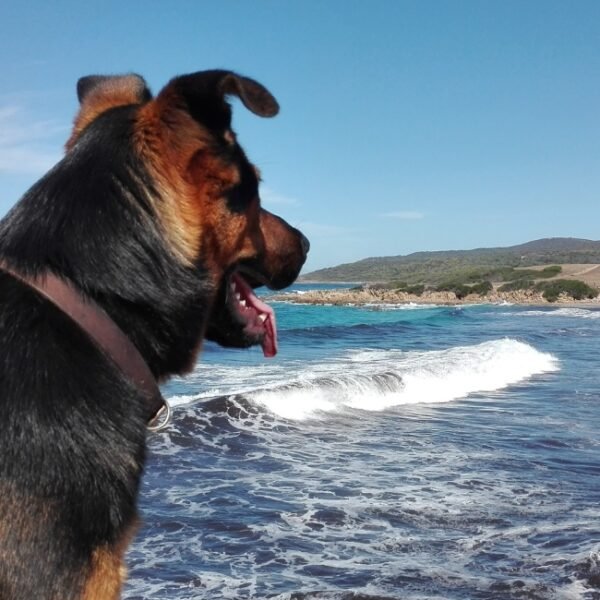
151 210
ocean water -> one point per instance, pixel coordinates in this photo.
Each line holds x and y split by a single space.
398 452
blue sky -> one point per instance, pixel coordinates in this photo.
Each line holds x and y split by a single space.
405 125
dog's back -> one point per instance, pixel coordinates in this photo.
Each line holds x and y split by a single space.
71 440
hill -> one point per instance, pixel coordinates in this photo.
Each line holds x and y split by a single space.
433 268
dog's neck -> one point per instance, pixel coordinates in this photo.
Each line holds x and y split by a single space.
124 264
106 334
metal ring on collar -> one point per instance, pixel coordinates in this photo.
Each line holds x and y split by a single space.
161 419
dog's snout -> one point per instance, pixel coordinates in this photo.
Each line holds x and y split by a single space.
304 244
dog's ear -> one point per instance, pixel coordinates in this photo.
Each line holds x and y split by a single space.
99 93
255 97
132 88
205 95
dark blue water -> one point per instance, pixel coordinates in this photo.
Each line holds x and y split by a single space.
400 452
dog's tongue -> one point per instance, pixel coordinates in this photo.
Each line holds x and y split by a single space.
269 343
265 316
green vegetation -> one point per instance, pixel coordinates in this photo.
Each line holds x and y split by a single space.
578 290
551 290
525 274
552 271
477 271
467 266
482 288
517 285
415 290
517 279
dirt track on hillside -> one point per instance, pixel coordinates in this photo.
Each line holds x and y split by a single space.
590 274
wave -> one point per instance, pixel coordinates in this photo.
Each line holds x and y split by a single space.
330 595
379 379
375 380
580 313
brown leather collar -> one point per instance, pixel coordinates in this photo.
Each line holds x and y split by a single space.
107 335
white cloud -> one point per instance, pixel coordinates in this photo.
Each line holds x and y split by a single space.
32 161
26 144
269 197
408 215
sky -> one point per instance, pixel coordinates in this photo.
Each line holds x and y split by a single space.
405 126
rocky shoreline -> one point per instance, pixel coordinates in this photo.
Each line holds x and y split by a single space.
369 296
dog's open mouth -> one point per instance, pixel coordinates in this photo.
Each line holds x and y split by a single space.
238 319
256 317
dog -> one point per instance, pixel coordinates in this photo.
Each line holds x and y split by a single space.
145 239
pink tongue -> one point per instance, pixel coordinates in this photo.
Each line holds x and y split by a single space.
269 342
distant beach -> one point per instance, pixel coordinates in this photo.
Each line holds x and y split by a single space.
375 295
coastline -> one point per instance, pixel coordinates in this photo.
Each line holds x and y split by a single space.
374 296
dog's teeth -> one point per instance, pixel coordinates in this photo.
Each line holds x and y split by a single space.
262 317
243 303
238 296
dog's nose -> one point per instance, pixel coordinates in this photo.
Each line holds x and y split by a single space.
305 244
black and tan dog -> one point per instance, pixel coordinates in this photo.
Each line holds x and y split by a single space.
149 228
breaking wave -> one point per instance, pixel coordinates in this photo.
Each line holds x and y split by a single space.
375 380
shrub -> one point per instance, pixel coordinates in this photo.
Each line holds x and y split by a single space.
510 274
552 271
517 285
375 286
417 290
470 276
578 290
482 288
448 286
459 289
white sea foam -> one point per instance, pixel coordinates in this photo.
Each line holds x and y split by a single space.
580 313
374 380
400 306
182 399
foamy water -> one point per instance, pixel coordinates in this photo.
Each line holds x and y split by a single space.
379 379
438 453
580 313
376 380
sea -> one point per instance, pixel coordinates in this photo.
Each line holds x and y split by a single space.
403 452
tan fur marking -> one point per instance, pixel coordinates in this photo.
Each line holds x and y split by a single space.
108 570
189 178
116 91
160 142
107 577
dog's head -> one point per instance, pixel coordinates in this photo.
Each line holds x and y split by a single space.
205 191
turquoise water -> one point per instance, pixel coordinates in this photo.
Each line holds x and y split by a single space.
396 452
